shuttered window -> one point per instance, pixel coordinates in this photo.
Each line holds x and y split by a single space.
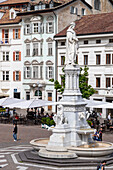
16 33
16 56
17 76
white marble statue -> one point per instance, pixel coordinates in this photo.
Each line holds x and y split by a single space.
59 118
71 45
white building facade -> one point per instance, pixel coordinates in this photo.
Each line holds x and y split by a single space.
11 55
95 51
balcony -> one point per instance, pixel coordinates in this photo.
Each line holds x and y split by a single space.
5 41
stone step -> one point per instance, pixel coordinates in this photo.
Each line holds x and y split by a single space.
30 157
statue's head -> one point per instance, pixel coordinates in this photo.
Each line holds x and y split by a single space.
72 25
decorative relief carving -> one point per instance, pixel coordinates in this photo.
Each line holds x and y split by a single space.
73 109
36 18
37 40
27 41
27 63
49 39
49 62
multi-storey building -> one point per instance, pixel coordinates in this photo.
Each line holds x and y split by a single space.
101 6
35 48
39 48
10 54
95 51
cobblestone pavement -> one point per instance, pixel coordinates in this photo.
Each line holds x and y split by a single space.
9 149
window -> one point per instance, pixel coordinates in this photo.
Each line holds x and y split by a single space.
83 11
50 51
98 41
41 72
85 41
62 60
6 36
76 11
27 95
41 48
97 4
35 49
35 71
85 59
5 56
27 49
17 75
62 81
72 10
16 33
36 27
27 72
28 29
110 40
5 75
63 43
50 24
98 59
108 58
49 72
50 28
12 15
16 56
108 82
98 82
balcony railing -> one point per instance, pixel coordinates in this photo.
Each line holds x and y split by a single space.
5 41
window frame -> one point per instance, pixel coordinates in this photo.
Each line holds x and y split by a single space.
50 49
5 75
4 55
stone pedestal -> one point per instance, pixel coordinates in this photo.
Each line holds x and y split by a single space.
74 111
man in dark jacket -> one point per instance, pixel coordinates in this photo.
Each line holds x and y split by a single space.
15 132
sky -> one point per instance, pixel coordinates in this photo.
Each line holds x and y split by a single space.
2 0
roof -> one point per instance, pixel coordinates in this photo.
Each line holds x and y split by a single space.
92 24
5 19
67 2
10 2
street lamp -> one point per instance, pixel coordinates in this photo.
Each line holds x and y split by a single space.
39 86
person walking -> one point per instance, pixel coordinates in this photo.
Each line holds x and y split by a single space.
101 166
15 132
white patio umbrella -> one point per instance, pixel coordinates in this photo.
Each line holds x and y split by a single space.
31 104
92 103
106 106
6 101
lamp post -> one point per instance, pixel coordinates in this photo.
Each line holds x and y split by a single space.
39 86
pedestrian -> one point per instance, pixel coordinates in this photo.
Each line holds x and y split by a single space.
15 132
109 118
100 134
101 166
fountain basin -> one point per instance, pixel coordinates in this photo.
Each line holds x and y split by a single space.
96 149
85 131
